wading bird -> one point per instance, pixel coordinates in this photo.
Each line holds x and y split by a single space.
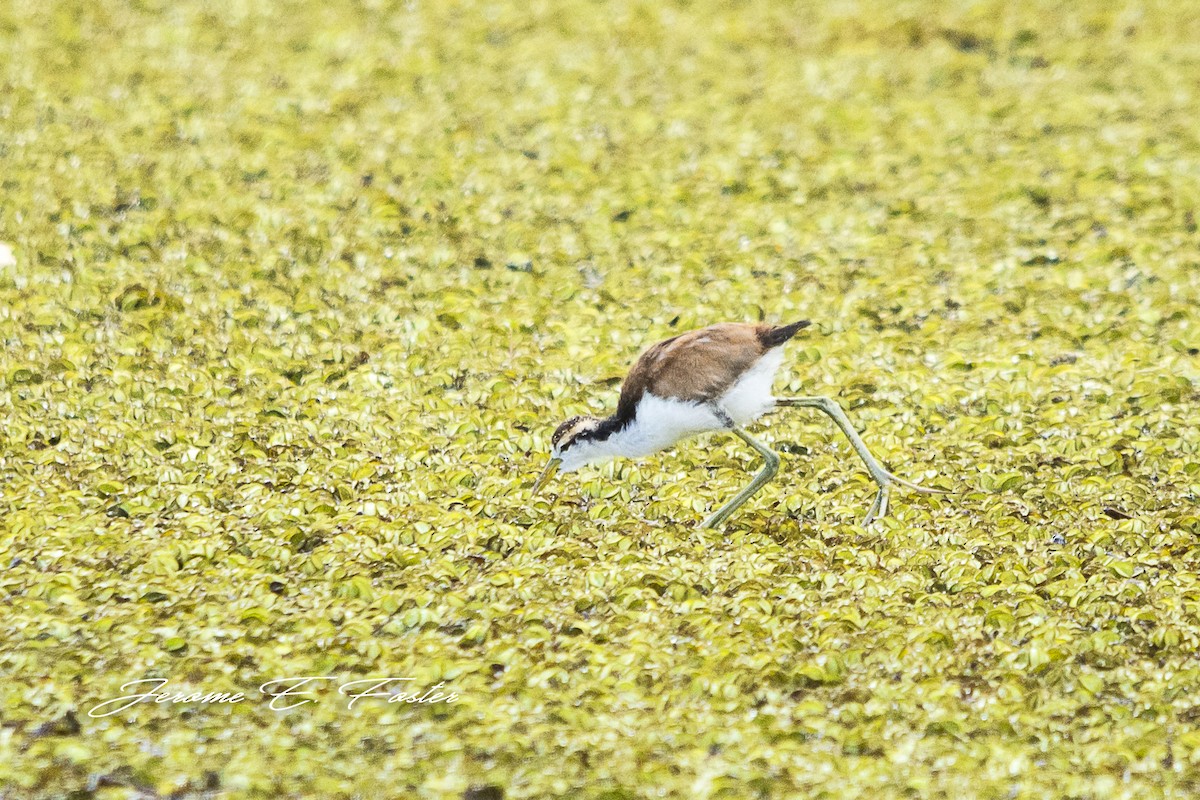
712 379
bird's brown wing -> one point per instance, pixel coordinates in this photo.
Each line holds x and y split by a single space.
697 366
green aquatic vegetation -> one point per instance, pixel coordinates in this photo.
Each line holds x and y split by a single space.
292 295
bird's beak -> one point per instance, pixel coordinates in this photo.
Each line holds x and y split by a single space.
546 475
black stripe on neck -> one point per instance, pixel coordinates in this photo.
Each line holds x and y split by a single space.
610 425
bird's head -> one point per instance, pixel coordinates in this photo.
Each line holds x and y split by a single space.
576 442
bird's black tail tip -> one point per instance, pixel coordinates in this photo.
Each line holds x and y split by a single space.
773 337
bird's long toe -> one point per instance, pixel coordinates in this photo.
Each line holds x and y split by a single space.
880 506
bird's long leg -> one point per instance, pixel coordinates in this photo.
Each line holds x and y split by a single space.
770 467
879 474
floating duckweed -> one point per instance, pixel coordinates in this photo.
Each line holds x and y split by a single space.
293 295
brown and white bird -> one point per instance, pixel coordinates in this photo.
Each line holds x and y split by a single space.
712 379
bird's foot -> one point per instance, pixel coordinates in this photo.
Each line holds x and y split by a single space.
885 479
879 507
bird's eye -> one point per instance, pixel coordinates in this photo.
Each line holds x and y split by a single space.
562 432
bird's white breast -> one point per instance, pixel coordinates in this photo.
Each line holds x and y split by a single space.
659 423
